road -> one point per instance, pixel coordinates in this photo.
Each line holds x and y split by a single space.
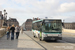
67 42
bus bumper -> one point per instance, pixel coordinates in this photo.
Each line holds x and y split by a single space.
52 38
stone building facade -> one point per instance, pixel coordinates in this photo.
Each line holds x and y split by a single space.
12 21
69 25
9 22
1 19
28 24
1 23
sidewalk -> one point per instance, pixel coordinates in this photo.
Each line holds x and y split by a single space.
68 34
23 43
68 30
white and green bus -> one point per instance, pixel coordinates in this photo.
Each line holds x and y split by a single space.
47 29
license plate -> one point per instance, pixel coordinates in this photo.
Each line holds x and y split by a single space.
52 38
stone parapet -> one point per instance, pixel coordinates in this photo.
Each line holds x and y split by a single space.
2 32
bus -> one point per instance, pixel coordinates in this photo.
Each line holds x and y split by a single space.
47 29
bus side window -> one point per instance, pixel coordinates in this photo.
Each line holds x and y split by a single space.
40 28
38 25
43 22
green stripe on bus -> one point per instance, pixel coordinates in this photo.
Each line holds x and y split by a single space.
52 33
36 21
40 34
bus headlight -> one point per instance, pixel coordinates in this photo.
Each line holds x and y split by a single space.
44 35
60 35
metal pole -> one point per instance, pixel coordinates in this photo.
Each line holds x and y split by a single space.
5 18
63 23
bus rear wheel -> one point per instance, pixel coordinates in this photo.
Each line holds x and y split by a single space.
33 35
39 37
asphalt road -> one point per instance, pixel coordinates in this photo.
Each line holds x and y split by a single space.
67 42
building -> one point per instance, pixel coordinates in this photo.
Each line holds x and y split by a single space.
9 22
28 24
12 21
1 23
1 19
36 19
69 25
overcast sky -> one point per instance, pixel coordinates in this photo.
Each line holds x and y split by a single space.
26 9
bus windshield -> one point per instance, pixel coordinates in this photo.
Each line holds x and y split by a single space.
52 27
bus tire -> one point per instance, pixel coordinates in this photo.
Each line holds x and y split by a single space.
39 37
33 35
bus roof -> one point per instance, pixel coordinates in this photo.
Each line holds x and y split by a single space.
44 19
36 21
51 19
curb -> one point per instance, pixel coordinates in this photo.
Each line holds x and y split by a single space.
37 42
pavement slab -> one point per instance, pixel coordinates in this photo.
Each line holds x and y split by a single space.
22 43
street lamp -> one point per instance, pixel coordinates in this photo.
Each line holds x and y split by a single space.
5 18
63 23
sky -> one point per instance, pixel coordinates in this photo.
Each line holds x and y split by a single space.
27 9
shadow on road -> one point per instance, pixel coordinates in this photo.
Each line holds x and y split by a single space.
64 40
69 39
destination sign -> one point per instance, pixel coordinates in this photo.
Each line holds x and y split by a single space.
52 20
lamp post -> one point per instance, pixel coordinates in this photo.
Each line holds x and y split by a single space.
5 18
63 23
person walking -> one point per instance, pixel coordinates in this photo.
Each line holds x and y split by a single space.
8 32
17 30
12 32
21 30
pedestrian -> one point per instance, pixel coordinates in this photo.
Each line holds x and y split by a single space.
21 29
8 32
17 30
12 32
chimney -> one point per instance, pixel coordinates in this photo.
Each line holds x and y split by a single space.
37 18
33 18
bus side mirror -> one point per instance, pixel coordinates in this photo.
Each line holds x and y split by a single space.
42 23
